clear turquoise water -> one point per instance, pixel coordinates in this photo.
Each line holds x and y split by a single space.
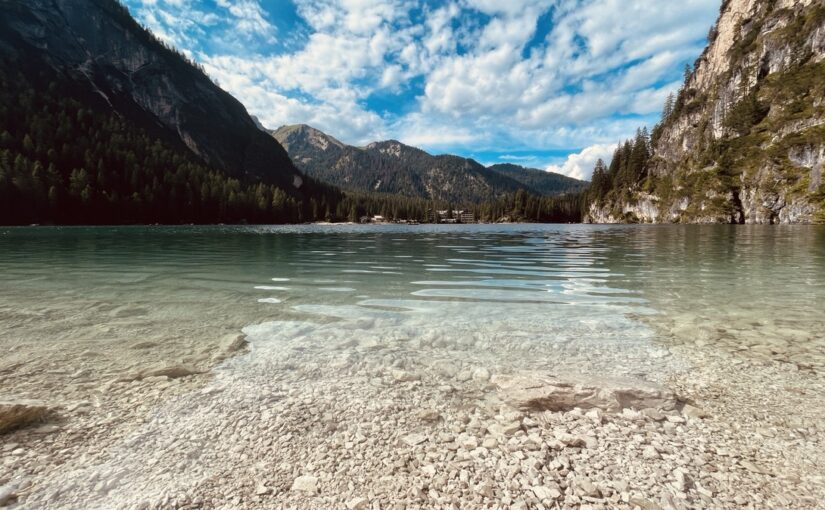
512 290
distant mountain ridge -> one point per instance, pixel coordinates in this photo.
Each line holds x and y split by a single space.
393 167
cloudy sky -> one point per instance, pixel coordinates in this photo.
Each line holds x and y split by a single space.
542 83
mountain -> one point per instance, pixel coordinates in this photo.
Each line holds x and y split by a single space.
392 167
540 181
94 103
744 140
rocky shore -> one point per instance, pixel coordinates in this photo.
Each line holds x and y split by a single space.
345 414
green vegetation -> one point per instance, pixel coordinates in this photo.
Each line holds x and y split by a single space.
65 161
62 161
762 129
628 169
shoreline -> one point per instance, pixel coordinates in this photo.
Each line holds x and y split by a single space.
438 449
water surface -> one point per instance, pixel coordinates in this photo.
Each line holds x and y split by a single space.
483 285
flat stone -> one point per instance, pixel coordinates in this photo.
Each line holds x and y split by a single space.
753 468
644 504
650 453
172 372
8 493
584 487
414 439
654 414
547 492
358 504
537 392
481 374
693 412
429 415
305 483
22 413
403 376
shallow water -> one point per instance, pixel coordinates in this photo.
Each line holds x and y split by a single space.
547 284
355 330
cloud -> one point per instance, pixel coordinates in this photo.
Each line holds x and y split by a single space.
580 165
452 75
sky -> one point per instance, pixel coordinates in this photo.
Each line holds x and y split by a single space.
551 84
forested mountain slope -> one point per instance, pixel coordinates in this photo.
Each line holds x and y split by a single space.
102 123
540 181
744 140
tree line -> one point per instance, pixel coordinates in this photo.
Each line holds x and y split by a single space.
64 162
627 170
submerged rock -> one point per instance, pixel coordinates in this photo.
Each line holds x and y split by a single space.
172 372
537 392
22 413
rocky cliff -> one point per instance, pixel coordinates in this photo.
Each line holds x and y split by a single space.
115 62
744 141
393 167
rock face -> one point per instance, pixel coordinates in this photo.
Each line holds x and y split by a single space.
119 65
392 167
745 140
537 392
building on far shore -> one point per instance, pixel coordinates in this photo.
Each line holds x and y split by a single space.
466 217
454 216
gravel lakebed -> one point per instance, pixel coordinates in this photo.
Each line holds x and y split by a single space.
364 408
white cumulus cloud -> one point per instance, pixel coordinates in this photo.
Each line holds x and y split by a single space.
580 165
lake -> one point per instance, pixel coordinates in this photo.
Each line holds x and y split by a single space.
368 326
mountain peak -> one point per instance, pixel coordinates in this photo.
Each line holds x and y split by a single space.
390 166
304 133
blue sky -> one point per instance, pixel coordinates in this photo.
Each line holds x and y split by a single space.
543 83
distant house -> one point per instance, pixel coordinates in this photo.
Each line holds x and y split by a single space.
454 216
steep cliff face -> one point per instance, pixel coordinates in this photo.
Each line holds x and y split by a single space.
393 167
118 64
745 139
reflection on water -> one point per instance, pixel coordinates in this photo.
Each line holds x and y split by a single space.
513 278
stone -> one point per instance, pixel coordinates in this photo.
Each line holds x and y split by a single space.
8 494
683 480
305 483
481 374
644 504
262 490
654 414
230 345
414 439
693 412
537 392
22 413
584 487
650 453
753 468
429 415
172 372
358 503
404 376
551 492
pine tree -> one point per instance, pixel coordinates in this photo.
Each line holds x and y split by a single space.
668 108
